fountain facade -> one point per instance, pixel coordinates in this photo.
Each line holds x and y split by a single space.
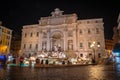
63 33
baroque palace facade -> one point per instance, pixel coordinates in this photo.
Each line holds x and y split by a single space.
5 39
64 33
116 30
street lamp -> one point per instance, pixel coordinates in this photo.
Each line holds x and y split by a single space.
93 46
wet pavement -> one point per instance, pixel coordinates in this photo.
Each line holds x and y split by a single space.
90 72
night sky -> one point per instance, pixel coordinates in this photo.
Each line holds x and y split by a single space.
15 14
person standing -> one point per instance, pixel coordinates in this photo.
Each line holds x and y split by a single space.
21 60
4 60
46 62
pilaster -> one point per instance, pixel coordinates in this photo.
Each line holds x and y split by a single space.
40 41
65 39
48 40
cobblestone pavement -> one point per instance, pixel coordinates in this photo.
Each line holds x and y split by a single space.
91 72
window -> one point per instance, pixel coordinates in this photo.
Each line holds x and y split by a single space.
2 29
88 22
90 55
99 55
89 31
25 34
36 47
8 37
8 43
70 44
1 42
98 44
80 31
24 46
81 45
37 34
96 21
30 46
97 31
89 44
8 32
31 35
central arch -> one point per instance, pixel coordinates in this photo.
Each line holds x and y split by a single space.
57 41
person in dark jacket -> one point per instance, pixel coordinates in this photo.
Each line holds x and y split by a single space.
21 60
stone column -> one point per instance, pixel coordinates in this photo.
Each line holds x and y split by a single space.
51 44
65 39
77 37
48 40
74 39
62 44
40 41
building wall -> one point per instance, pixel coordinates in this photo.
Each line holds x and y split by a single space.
118 21
116 38
16 44
92 30
118 27
64 32
109 45
5 42
116 30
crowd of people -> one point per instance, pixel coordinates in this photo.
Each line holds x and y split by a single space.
6 59
9 58
3 59
37 58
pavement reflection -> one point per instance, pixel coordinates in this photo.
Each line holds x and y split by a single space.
92 72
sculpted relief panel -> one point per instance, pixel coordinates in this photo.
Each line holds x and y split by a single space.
56 21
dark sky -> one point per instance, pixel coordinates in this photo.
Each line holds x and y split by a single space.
15 14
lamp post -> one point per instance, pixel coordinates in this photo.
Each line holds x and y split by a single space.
93 46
